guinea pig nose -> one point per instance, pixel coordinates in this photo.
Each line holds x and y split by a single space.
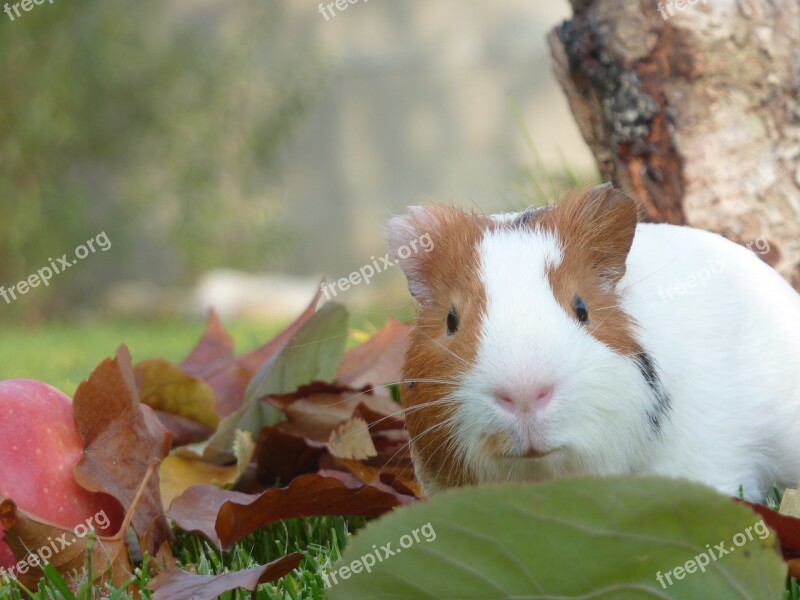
530 400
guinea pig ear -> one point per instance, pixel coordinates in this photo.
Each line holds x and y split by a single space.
410 242
604 219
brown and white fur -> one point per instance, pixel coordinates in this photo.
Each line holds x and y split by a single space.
545 346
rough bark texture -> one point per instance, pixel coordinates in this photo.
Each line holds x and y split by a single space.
694 107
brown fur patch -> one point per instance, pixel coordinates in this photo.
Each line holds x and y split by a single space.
596 228
451 271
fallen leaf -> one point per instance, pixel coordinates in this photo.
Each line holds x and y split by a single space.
281 456
176 583
182 469
305 496
378 361
790 504
196 509
352 440
314 411
225 517
787 528
32 539
121 439
311 353
183 430
166 387
400 480
35 541
213 360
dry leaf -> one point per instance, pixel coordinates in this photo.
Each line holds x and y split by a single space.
226 517
166 387
378 361
213 360
182 469
36 538
176 583
281 456
351 440
306 496
121 439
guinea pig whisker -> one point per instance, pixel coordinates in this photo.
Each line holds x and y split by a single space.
409 442
389 384
410 408
445 348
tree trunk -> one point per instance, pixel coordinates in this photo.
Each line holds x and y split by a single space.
694 107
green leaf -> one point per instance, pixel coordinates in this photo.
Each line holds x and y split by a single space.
569 538
313 353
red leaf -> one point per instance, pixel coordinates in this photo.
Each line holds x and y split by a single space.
787 528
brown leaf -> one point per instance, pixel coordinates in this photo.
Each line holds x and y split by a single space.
306 496
282 456
32 539
166 387
121 439
399 479
184 468
226 517
175 583
213 361
314 411
351 480
183 430
377 361
35 540
197 508
352 440
213 352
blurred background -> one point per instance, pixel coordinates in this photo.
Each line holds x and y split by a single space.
235 152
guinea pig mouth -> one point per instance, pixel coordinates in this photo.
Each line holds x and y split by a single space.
536 453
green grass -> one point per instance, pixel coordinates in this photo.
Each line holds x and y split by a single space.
63 354
320 539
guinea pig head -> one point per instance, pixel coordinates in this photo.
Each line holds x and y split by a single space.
521 363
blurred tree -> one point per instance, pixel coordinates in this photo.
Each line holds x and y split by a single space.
156 122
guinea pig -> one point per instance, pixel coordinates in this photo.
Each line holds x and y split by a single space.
574 340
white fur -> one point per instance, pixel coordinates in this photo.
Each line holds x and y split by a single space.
727 352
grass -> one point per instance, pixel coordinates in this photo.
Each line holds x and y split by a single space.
63 354
320 539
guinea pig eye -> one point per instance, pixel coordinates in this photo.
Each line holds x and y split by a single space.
452 321
581 312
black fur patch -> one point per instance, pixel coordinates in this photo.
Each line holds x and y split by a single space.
522 220
660 410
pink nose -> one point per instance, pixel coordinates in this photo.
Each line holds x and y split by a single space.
529 401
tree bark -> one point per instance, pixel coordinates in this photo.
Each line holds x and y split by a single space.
694 107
